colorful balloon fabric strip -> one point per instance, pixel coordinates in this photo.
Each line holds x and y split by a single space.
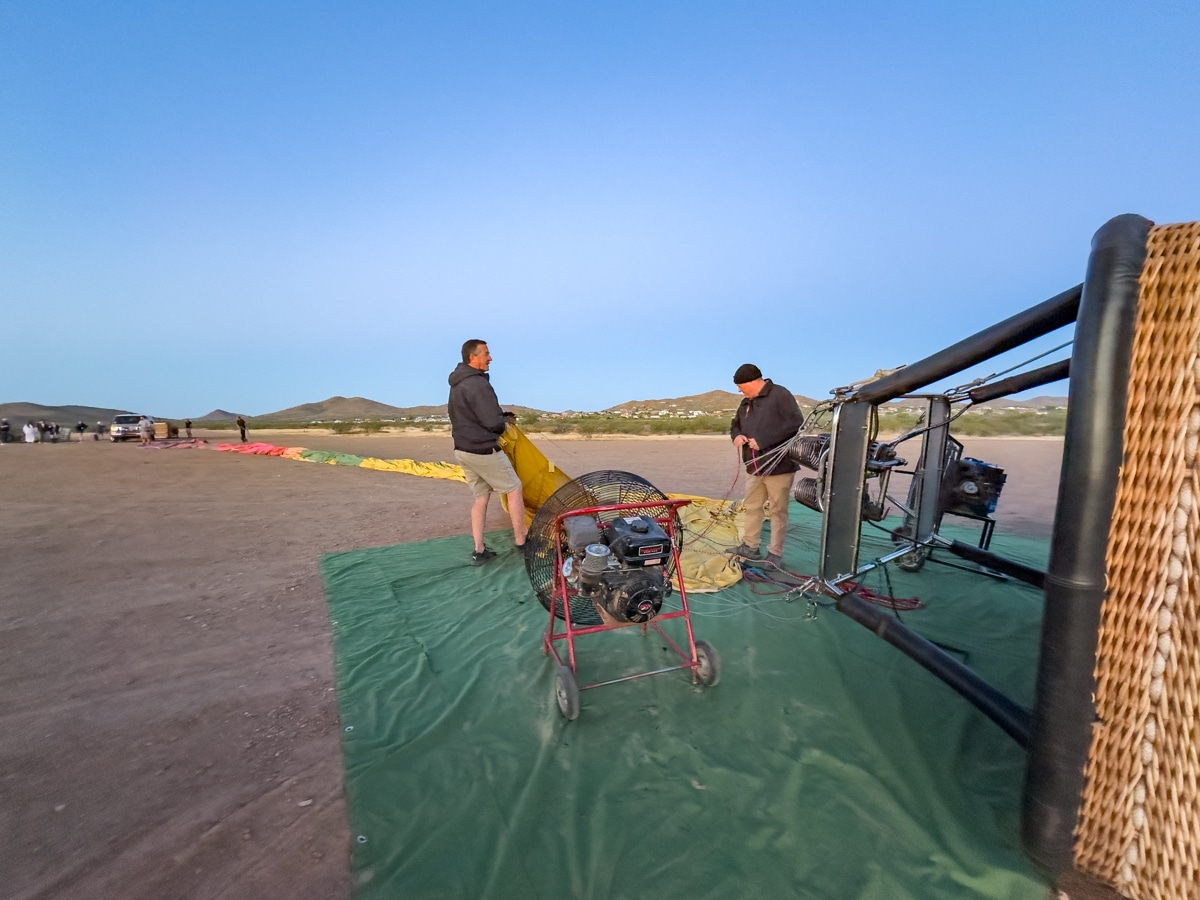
449 471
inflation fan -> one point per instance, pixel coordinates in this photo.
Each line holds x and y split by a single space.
600 554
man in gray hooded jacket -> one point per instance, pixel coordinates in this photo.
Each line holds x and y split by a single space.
476 423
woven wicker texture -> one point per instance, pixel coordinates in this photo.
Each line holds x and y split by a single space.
1139 827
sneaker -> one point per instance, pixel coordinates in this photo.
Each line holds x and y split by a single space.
478 558
745 551
775 559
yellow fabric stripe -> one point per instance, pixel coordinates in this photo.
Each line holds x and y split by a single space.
449 471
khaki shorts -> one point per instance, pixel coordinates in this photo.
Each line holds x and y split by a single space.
487 472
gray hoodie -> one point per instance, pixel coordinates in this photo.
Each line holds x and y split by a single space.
476 419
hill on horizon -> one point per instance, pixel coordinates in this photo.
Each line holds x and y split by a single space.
217 415
337 408
1031 403
63 415
348 409
710 402
352 408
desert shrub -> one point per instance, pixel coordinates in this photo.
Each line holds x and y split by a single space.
1016 422
974 423
897 420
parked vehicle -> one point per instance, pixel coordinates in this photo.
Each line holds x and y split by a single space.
124 427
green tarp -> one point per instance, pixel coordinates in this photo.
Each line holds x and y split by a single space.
825 764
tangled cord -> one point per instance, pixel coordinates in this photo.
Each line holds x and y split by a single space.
792 584
716 517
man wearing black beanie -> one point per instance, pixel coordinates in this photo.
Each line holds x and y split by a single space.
766 419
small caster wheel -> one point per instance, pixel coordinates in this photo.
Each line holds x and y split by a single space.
913 560
566 691
708 663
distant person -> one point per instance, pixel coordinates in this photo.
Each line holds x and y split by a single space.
476 423
31 432
766 419
81 428
145 430
99 429
187 427
5 428
241 424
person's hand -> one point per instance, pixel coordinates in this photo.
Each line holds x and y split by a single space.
739 440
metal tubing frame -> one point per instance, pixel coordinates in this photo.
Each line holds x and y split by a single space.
1023 382
997 563
931 469
1064 708
841 524
1058 730
1047 316
842 521
991 702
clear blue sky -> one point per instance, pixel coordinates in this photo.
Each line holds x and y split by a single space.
253 205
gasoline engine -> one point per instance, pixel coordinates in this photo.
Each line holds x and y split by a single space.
619 568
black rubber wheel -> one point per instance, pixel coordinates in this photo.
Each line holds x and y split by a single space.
708 663
566 691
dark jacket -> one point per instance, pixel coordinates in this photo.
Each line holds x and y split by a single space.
772 418
476 419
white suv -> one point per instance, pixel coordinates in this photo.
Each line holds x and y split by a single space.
125 426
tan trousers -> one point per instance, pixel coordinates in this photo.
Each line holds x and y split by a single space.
769 492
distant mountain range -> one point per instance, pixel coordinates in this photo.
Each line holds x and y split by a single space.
711 402
338 408
348 409
63 415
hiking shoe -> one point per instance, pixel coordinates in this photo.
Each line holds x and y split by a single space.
745 551
479 557
775 559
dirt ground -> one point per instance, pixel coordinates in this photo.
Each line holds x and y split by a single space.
168 725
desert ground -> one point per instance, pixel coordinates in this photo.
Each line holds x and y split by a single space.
169 723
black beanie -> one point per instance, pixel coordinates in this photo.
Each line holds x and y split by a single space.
747 372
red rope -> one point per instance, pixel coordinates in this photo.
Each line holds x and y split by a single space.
754 576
